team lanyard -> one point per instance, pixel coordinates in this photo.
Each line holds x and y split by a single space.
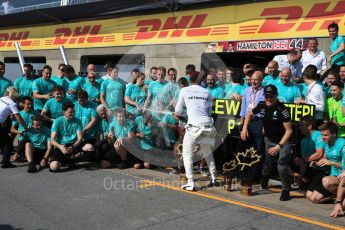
254 96
334 112
311 87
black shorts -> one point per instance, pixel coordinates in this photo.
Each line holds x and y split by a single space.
38 155
87 156
21 146
110 155
309 173
316 185
90 141
57 155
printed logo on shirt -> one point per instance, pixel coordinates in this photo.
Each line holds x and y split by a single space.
198 98
286 113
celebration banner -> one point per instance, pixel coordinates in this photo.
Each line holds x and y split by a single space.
229 110
259 21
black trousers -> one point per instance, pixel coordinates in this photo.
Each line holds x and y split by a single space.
6 144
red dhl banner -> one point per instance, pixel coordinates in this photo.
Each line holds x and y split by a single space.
259 21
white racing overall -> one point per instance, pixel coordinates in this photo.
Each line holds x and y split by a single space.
199 129
203 134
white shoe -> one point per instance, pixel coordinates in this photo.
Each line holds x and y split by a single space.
212 183
189 186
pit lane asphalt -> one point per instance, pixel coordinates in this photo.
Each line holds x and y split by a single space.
90 198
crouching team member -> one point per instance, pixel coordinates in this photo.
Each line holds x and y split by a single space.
199 128
340 201
103 145
85 111
121 132
311 149
27 113
322 187
38 146
66 137
144 132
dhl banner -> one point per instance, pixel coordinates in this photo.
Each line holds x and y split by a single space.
259 21
227 111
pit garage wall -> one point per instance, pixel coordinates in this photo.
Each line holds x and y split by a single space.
178 55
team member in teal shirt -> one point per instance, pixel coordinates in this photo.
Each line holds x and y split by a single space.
92 68
182 82
53 107
75 83
144 133
38 147
330 78
152 76
221 81
135 95
105 149
248 70
311 151
42 88
92 87
155 97
86 112
27 114
60 79
66 137
4 82
287 92
273 74
24 83
169 129
337 46
236 88
323 187
216 92
170 89
103 123
113 91
121 133
189 71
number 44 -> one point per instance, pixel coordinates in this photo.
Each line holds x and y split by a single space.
296 43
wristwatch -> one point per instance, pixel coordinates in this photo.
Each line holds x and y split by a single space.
280 145
338 202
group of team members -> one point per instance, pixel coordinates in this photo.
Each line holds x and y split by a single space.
67 118
91 118
319 164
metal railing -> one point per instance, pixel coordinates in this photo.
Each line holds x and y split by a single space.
13 10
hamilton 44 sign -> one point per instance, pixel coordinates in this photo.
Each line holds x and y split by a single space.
259 45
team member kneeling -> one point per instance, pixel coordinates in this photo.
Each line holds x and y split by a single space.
339 207
66 137
38 146
324 187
